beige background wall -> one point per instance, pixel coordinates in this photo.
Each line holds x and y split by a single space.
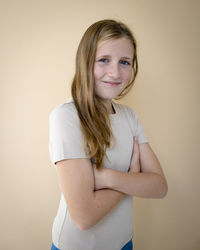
38 45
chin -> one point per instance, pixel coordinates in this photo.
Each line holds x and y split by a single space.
107 98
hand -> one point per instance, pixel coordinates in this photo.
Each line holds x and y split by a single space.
135 162
99 178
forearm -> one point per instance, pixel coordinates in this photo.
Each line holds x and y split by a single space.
102 202
145 185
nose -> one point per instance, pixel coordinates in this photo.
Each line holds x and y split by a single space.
114 71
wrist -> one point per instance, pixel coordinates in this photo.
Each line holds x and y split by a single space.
111 178
134 169
105 177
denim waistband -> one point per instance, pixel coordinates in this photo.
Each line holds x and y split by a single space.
128 246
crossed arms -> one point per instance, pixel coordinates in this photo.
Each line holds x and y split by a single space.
91 194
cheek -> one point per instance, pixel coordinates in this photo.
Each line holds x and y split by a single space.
98 72
127 75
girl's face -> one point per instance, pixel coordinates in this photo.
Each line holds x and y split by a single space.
112 68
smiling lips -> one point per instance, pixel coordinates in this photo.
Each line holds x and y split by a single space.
110 83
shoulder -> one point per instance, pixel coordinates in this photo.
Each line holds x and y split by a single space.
126 113
129 115
64 111
125 110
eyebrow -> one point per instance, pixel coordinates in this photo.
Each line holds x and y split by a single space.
123 57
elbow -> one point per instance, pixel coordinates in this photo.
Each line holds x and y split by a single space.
163 190
83 219
82 224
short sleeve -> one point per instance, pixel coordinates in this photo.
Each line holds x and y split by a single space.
65 136
137 127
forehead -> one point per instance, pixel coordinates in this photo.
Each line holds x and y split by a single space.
115 46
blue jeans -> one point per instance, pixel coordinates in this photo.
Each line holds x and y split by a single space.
128 246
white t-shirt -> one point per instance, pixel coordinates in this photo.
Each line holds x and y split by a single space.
116 228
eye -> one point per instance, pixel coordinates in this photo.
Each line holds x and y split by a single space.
124 62
104 60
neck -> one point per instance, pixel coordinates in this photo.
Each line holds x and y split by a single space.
109 106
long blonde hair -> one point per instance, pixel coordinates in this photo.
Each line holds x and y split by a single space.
93 115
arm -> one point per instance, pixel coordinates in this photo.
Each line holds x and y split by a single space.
145 178
86 206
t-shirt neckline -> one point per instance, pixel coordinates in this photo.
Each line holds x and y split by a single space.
115 110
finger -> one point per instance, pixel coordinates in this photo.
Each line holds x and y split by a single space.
136 139
135 150
136 145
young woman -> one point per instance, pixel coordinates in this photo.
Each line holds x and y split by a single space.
99 148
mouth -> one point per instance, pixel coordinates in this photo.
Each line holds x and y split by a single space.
111 83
